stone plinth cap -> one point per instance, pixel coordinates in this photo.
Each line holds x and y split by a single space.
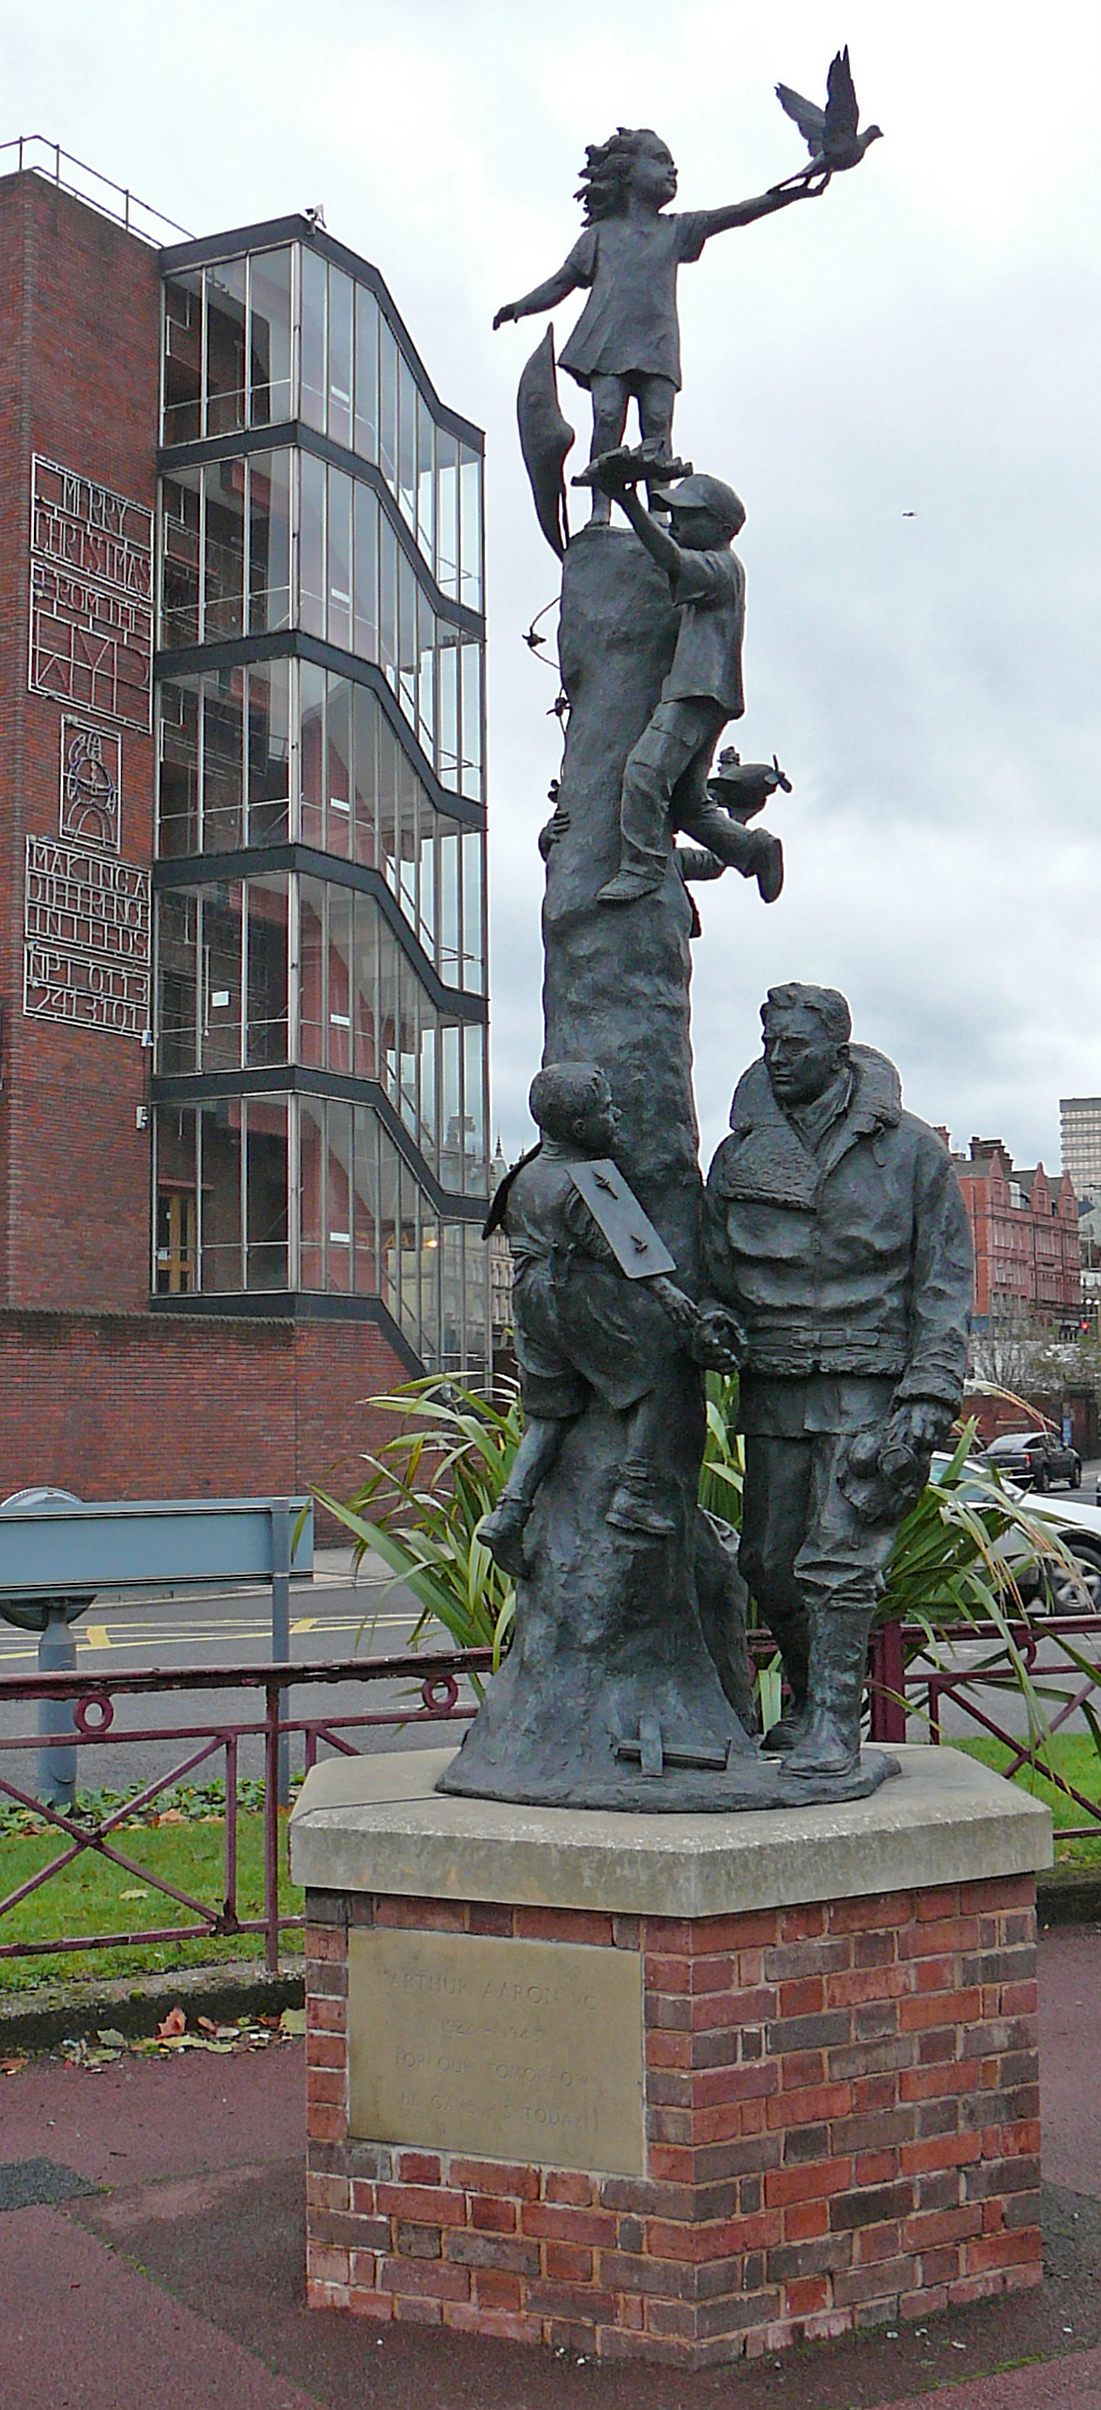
376 1824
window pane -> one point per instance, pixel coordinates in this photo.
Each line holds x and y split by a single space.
406 834
429 1135
339 1267
388 599
408 1298
311 544
339 624
449 903
340 979
223 761
473 948
269 541
183 356
366 419
427 882
338 837
365 628
178 777
181 512
472 721
476 1303
177 982
266 1193
389 809
225 346
314 294
312 752
224 549
447 705
470 587
311 1144
407 442
389 1230
365 988
388 403
429 1285
266 1026
312 978
177 1192
268 752
270 338
367 716
474 1108
451 1157
407 639
222 908
447 514
220 1194
426 479
426 683
452 1296
341 299
408 1044
365 1200
388 1010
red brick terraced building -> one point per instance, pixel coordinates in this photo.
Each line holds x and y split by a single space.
1024 1227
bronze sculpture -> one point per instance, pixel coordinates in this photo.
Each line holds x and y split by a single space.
627 1683
836 1233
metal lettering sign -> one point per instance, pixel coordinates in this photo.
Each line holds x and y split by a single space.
87 933
91 637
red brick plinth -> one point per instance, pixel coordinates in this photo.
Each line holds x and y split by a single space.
842 2123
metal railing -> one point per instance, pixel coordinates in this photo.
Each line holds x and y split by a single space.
437 1681
905 1680
36 155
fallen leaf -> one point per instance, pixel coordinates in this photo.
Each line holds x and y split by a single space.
133 1895
112 2040
12 2066
171 2026
293 2020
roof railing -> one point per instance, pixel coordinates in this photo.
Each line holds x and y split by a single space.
33 154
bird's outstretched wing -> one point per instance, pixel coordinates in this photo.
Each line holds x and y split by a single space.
810 119
842 115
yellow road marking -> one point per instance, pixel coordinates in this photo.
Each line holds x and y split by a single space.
94 1636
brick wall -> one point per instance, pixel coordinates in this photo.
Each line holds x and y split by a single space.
79 339
842 2119
147 1405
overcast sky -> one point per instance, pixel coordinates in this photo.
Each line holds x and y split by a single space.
925 340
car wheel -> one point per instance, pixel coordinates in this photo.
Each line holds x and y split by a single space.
1076 1476
1040 1479
1078 1593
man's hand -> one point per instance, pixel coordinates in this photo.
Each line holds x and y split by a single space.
719 1344
922 1425
507 312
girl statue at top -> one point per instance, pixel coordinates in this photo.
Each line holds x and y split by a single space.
627 339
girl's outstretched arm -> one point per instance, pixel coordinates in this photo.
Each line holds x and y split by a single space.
544 297
743 213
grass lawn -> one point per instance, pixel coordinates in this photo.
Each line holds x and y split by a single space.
1076 1759
93 1895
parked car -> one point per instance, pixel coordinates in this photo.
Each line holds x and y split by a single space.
1036 1459
1076 1524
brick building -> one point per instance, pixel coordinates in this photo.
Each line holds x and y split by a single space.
1024 1228
243 1113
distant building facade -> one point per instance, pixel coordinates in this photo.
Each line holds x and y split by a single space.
1080 1129
1024 1229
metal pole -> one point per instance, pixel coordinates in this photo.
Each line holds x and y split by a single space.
272 1710
281 1623
56 1765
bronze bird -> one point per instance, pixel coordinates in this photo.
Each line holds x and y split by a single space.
831 133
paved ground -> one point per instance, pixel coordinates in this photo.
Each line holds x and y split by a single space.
175 2284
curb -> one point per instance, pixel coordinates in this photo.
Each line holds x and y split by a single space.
63 2012
1069 1895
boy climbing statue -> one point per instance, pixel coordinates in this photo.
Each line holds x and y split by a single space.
586 1328
665 779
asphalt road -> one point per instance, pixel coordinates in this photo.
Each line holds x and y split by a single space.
331 1619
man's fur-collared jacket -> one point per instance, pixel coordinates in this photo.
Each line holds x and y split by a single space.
854 1258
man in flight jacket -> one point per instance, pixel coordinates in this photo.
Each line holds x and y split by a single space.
837 1235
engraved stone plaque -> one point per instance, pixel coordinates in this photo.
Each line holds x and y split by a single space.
528 2050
